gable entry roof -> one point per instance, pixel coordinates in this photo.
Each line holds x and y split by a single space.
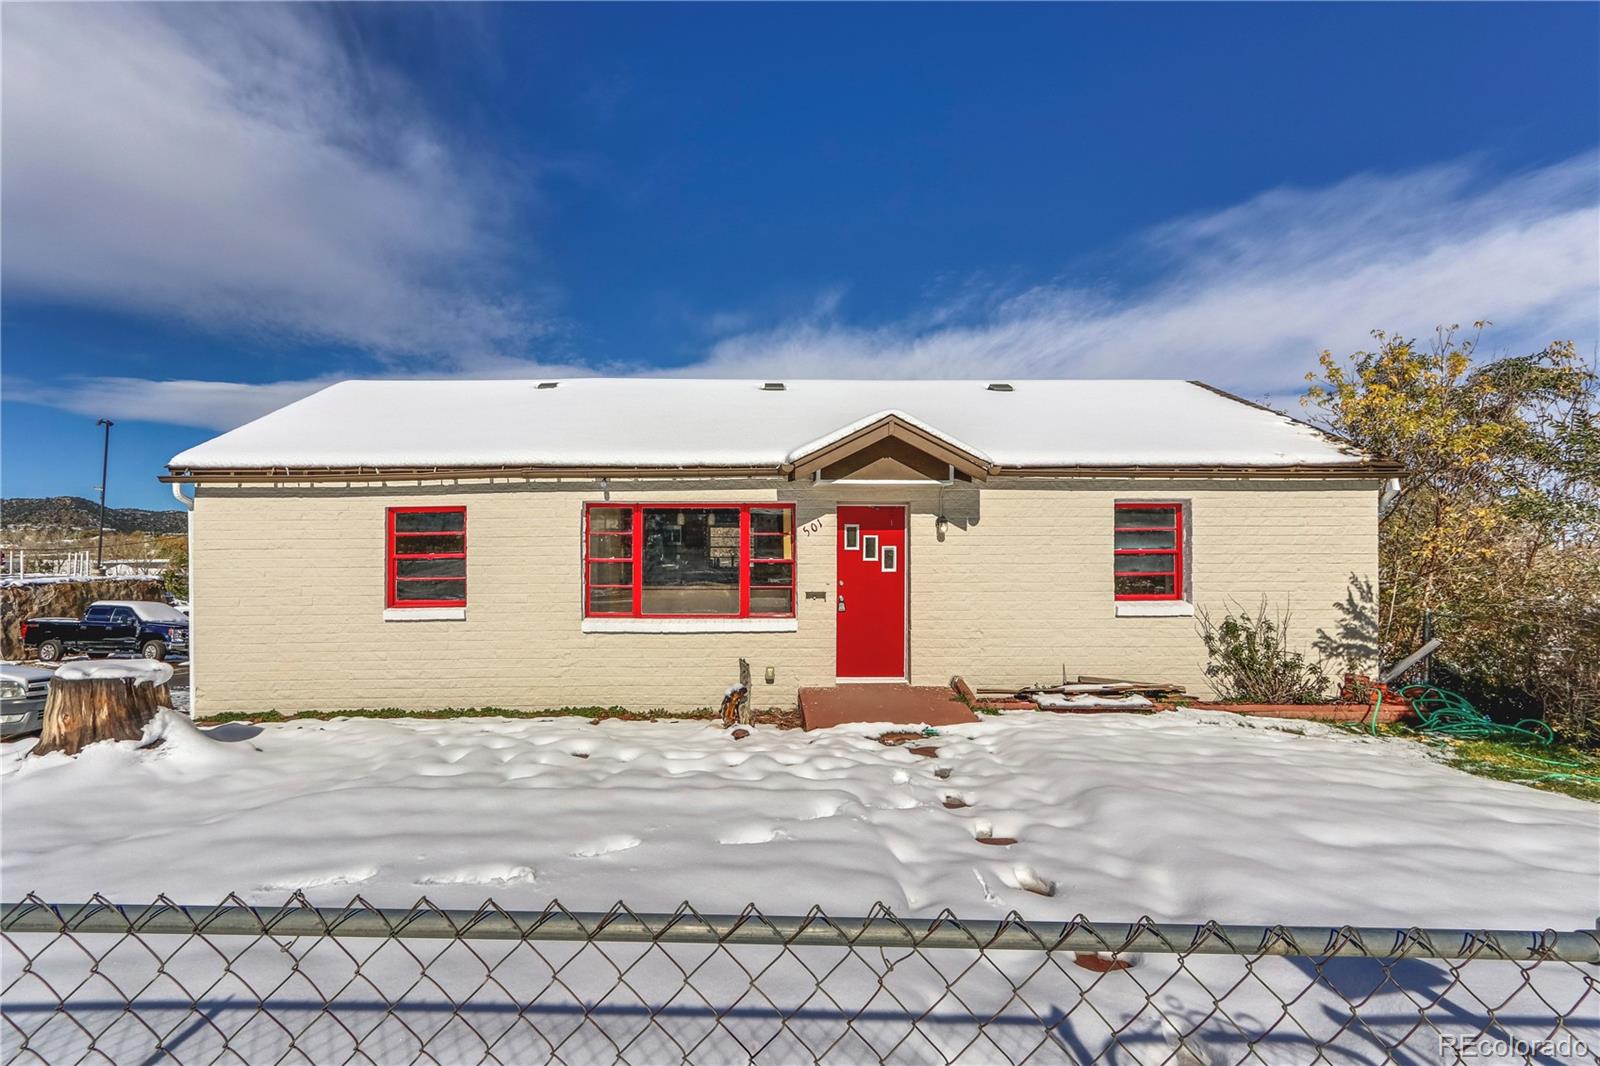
618 426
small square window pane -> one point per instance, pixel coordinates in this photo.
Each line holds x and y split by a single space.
869 547
772 521
430 521
1144 585
430 567
771 573
852 538
611 546
611 574
616 519
411 591
1164 517
771 601
430 544
1147 538
891 558
771 546
610 601
1144 564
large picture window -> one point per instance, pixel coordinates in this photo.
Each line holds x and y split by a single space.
644 560
427 557
1149 551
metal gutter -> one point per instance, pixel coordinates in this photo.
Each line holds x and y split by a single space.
1373 469
1368 469
246 475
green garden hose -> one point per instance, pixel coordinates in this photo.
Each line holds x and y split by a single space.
1449 714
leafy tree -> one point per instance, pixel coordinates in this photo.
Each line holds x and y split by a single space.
1496 530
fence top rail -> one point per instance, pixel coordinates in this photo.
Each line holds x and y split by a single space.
880 927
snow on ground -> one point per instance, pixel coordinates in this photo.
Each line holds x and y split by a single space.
65 579
1185 817
1182 816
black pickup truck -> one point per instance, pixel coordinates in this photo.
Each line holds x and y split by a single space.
147 628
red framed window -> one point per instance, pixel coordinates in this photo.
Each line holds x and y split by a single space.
1149 551
714 560
427 565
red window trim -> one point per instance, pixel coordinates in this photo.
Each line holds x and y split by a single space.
1175 552
395 540
748 541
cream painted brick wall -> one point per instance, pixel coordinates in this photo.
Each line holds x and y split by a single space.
1029 581
288 591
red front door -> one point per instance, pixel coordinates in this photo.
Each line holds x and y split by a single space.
871 597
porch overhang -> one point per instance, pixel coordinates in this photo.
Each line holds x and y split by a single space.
881 437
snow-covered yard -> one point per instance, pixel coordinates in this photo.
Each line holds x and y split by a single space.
1185 816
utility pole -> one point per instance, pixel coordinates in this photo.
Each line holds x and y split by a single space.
105 462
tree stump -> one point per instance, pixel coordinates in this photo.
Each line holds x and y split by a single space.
736 706
89 702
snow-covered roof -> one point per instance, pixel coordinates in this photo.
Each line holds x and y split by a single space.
680 422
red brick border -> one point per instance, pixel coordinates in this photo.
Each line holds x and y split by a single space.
1393 711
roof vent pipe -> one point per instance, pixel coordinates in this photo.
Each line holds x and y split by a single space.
1000 386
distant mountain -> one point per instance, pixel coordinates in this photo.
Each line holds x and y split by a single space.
75 512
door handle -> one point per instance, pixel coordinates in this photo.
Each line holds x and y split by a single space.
841 605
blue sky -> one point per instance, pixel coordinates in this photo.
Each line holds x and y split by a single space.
210 211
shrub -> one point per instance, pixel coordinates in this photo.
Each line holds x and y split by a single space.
1250 660
176 578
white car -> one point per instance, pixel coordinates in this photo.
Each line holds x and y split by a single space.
22 694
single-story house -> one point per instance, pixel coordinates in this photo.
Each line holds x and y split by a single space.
537 544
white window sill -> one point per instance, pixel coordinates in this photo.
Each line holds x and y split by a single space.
424 614
1155 609
690 625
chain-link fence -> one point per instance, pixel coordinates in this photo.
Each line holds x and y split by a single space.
108 983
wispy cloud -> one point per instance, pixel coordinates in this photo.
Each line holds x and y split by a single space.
1246 296
239 167
218 405
223 405
241 170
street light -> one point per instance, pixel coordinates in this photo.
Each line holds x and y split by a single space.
105 462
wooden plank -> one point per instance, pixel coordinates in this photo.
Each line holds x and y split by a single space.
1153 686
